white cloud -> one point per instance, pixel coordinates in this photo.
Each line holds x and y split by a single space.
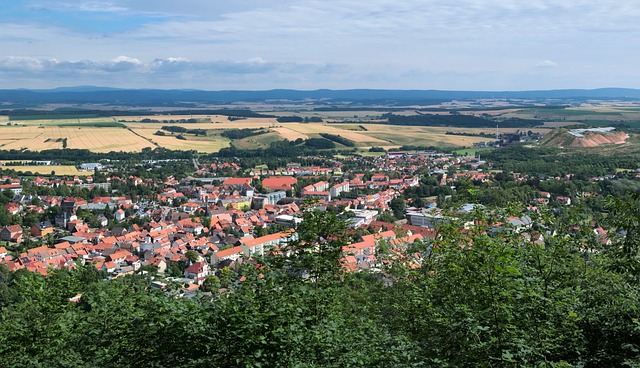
126 59
485 43
93 6
546 64
21 63
124 70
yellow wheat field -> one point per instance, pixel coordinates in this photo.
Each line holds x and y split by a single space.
36 138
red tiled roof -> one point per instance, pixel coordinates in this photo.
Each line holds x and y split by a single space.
237 181
228 252
279 182
197 267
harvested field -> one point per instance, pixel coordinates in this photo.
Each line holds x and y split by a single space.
94 139
290 134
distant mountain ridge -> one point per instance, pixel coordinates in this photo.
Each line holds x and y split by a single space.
107 95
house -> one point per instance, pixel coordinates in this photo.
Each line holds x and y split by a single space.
13 208
230 254
42 229
368 244
109 267
68 205
190 207
362 217
318 190
197 271
337 189
119 215
237 183
44 253
324 196
91 166
102 220
379 178
118 256
258 246
11 233
15 188
190 226
63 219
160 263
261 200
279 183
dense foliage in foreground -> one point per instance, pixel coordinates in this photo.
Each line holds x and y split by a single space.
475 298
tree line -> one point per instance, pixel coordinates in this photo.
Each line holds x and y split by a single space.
338 139
73 156
243 133
458 120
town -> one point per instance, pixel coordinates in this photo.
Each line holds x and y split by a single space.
185 231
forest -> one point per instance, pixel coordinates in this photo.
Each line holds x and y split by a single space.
338 139
476 298
556 162
179 129
458 120
243 133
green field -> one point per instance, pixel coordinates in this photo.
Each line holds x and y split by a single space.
472 151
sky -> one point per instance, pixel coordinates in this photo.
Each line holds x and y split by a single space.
489 45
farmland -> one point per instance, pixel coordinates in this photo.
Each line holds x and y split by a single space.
37 138
138 132
210 143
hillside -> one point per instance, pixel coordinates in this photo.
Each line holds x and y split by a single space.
584 137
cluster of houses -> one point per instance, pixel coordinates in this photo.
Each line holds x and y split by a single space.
226 219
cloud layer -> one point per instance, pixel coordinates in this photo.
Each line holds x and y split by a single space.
467 44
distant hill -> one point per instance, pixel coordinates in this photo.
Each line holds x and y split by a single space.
583 138
353 97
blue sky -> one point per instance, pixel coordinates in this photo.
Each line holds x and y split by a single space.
259 44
